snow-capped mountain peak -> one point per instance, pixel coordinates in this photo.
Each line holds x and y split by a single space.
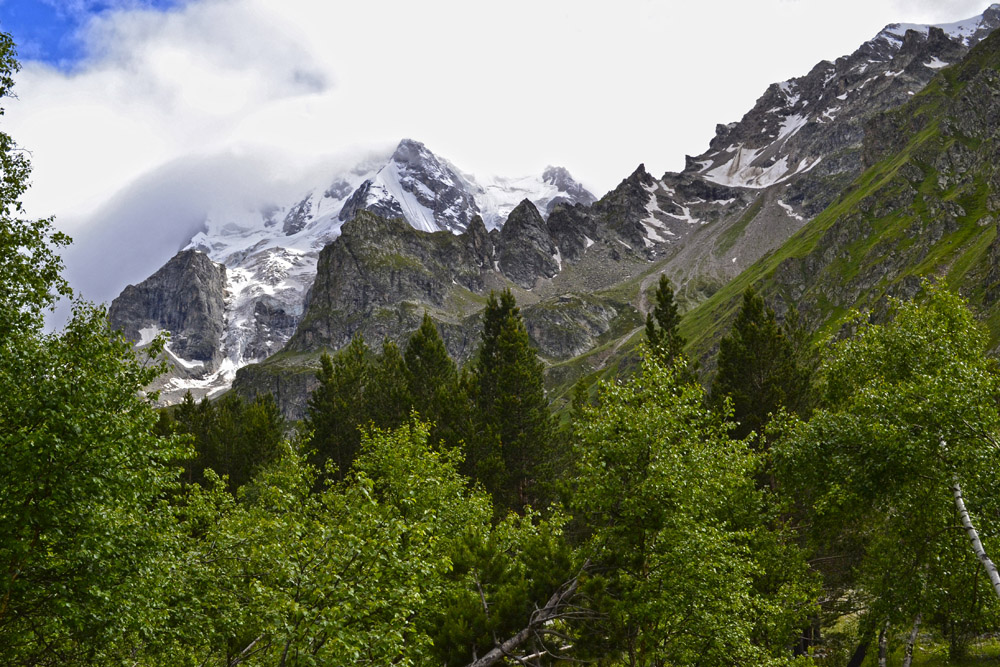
270 253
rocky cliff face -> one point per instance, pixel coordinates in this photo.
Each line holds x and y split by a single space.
926 207
186 298
527 252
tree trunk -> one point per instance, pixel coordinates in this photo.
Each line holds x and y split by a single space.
977 545
862 650
911 642
883 645
538 619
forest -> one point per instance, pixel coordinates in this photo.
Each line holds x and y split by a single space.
825 502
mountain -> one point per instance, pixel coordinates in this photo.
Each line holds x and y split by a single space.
268 258
927 205
765 176
370 251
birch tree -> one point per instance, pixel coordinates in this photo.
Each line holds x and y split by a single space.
898 468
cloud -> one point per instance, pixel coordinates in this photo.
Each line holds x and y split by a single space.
938 11
153 87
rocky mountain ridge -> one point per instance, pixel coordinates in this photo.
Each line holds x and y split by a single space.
927 206
580 268
270 256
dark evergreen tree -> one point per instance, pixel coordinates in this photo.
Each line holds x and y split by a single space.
233 437
436 388
662 324
337 408
431 373
387 399
758 369
514 424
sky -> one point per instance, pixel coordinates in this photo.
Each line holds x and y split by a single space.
140 115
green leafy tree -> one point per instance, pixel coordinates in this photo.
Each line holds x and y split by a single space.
514 424
907 437
662 333
31 279
687 563
363 571
758 370
83 477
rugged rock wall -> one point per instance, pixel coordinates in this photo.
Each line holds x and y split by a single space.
186 297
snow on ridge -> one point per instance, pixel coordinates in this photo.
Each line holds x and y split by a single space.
960 30
790 211
935 63
388 183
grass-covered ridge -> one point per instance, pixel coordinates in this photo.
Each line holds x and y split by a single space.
925 206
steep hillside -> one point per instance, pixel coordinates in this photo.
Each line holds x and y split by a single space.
925 206
766 176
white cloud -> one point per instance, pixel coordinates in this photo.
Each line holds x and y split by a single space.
495 87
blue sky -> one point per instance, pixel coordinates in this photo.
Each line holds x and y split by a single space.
48 31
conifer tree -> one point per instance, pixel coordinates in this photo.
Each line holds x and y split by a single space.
437 391
430 372
662 324
515 425
336 407
387 399
233 437
757 368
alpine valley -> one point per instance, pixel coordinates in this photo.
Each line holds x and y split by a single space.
836 189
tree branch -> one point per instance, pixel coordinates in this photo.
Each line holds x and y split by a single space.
538 618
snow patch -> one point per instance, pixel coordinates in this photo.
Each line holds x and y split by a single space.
587 241
740 171
935 63
790 211
147 334
181 361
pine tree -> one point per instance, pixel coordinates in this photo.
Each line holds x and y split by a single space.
515 426
430 372
757 368
387 400
662 324
436 388
336 408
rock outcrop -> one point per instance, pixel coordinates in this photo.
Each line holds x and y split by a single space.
187 298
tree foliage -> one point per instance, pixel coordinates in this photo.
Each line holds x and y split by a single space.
662 324
910 409
514 426
758 369
685 567
83 477
233 437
